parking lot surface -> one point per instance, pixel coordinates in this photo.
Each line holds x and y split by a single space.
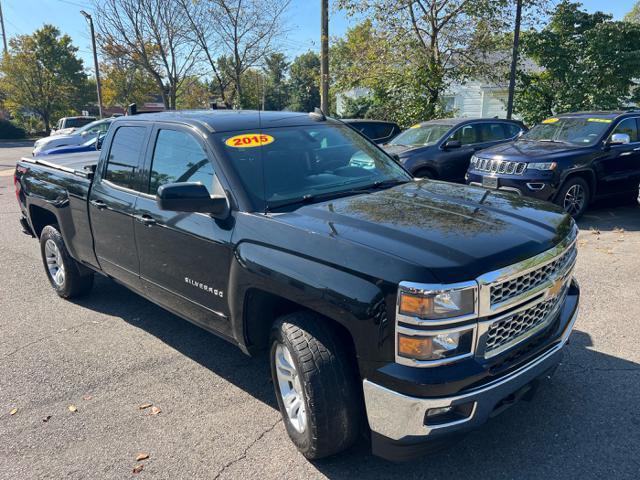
110 353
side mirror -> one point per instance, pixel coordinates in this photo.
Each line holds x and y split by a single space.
619 139
449 144
396 157
191 197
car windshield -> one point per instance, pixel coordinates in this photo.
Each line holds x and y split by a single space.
581 131
421 135
288 166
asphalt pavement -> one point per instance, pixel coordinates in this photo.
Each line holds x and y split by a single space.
112 352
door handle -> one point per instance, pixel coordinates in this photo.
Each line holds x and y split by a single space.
145 219
99 204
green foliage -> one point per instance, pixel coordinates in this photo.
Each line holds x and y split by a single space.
9 130
276 87
304 82
42 74
634 15
587 62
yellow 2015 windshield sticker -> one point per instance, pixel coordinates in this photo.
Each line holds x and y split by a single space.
417 125
551 120
249 140
599 120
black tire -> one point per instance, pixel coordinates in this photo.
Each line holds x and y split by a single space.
424 173
329 383
75 280
568 190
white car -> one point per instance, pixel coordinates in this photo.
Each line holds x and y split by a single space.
68 125
78 137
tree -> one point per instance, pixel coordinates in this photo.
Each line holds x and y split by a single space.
634 15
153 35
193 93
123 81
304 82
244 32
42 74
587 62
276 87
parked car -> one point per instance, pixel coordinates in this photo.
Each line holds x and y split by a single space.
379 131
90 145
80 136
68 125
441 149
569 159
427 306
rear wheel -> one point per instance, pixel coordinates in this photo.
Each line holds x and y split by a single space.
67 277
315 383
574 196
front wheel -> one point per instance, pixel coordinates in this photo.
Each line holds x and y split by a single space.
65 275
315 384
574 196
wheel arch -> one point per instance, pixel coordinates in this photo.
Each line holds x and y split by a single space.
588 175
40 217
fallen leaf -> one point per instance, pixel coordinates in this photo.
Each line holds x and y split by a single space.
138 468
73 408
155 410
47 418
142 456
618 230
13 411
595 231
583 242
145 405
87 397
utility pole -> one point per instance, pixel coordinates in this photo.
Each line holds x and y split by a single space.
95 60
514 59
4 33
324 57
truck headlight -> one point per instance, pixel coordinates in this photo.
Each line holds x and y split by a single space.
436 346
542 166
437 304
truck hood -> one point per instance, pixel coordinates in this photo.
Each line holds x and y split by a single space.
455 232
523 151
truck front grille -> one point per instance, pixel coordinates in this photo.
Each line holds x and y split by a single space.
500 166
509 289
514 328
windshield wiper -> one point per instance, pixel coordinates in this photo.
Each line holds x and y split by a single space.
549 140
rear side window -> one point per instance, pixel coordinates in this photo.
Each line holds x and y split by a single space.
122 164
493 132
179 157
628 126
467 135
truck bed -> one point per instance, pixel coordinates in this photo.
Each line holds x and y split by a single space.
70 163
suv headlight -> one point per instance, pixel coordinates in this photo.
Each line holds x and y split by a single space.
542 166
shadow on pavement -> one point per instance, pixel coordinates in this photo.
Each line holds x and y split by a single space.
609 214
573 427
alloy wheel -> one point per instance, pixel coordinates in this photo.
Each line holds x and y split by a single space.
54 262
574 199
290 385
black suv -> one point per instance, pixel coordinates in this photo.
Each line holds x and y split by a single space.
569 159
379 131
442 149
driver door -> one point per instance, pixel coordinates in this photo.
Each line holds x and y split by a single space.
620 169
184 257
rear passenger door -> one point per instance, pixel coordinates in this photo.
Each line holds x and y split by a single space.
111 203
456 160
184 257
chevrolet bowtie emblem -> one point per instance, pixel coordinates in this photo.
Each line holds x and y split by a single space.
556 287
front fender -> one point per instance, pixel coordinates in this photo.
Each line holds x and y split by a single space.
354 302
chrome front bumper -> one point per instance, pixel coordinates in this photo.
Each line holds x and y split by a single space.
402 418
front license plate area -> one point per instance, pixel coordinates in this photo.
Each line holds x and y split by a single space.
490 182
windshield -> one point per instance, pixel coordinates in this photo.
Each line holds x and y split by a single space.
91 125
421 135
285 166
580 131
77 122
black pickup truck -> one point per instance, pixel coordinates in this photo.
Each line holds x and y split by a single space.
412 310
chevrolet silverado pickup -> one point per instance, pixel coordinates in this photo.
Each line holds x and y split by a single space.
408 310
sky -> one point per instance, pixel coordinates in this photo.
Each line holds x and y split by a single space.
303 20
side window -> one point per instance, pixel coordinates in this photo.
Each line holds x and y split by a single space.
467 135
493 132
628 126
178 157
512 129
122 164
